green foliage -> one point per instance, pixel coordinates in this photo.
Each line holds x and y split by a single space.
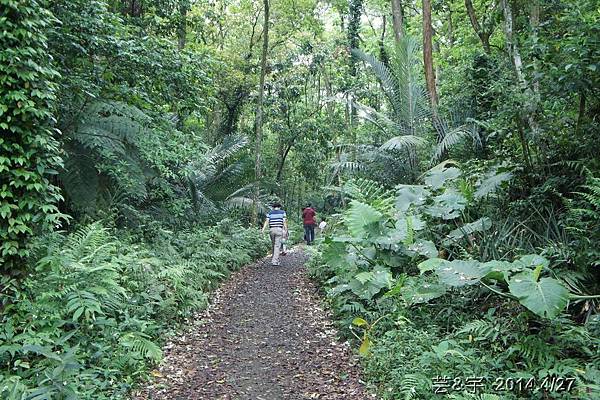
29 151
153 104
394 240
93 315
411 114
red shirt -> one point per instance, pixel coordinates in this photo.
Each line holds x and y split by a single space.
308 216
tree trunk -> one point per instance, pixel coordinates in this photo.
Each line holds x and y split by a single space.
354 14
483 35
450 28
513 51
382 53
181 28
428 53
284 155
258 125
397 20
132 8
581 113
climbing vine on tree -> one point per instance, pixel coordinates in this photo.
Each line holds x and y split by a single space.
30 152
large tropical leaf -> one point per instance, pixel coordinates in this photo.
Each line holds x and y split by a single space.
460 273
387 78
453 136
437 177
103 154
447 205
425 248
369 283
499 270
410 195
403 142
418 290
481 225
546 297
432 264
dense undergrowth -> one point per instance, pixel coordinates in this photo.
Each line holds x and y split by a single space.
448 296
90 318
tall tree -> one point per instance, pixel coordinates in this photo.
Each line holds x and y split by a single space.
428 53
258 124
515 55
355 8
397 20
184 6
354 13
482 33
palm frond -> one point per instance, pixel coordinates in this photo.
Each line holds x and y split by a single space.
452 137
246 203
387 78
403 142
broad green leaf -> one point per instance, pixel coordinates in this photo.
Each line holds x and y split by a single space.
460 273
334 254
425 248
404 230
371 283
359 322
436 177
365 291
546 297
382 277
447 205
481 225
417 291
533 261
364 277
391 259
335 291
432 264
498 270
410 195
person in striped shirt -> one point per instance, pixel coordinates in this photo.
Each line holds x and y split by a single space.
276 221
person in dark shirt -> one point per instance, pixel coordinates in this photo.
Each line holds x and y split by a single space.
308 218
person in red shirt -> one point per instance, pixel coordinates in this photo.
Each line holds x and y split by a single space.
308 218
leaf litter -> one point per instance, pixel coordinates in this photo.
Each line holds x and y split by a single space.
264 336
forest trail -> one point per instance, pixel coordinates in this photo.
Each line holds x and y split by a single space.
265 336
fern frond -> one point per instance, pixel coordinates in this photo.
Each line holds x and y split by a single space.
87 241
481 330
138 343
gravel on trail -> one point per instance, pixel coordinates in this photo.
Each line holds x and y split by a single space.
264 337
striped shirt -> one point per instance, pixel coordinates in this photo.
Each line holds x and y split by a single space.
276 218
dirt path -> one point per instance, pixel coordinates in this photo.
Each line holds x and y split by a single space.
264 337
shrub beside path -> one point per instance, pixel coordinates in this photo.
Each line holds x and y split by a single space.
264 337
